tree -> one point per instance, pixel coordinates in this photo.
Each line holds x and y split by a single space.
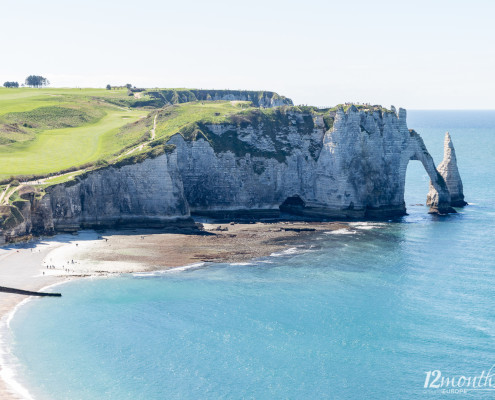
37 81
11 84
109 87
128 86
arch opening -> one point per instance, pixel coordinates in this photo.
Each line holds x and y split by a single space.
438 199
416 186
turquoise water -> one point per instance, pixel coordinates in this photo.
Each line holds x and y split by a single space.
360 314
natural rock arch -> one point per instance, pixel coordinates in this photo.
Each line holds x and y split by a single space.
441 200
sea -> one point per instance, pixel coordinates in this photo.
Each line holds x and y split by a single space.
401 309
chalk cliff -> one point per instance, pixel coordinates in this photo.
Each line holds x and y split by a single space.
257 98
355 169
450 173
143 194
332 164
146 194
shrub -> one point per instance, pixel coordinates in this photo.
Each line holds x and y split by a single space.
11 84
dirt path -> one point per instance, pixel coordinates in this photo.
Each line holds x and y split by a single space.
140 147
43 180
154 127
7 196
3 193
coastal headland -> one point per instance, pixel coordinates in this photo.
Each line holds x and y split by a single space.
157 158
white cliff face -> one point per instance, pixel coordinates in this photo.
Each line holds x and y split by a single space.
450 173
147 194
356 169
144 194
364 161
258 180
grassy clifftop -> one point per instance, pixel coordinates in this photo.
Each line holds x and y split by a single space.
64 132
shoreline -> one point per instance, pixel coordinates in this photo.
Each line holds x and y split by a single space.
20 266
8 372
44 263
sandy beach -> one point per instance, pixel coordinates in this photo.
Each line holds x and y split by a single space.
20 267
45 262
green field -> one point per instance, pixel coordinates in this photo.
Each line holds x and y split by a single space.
173 118
50 132
58 149
43 131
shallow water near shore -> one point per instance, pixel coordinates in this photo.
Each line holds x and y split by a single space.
357 313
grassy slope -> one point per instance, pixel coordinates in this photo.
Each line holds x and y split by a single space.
58 149
173 118
51 150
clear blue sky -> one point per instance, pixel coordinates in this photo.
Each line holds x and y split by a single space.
414 54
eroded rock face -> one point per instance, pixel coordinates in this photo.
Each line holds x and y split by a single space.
356 169
254 172
450 173
144 194
148 194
